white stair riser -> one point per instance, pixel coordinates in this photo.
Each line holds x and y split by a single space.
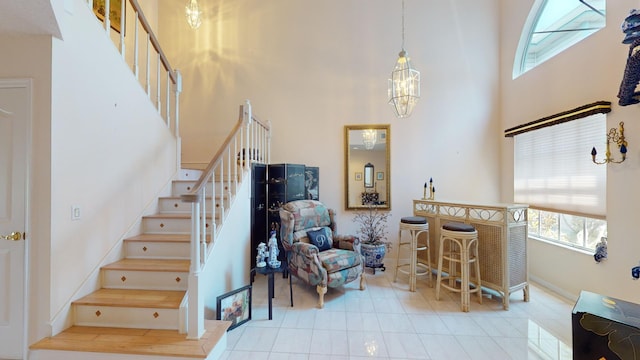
157 250
182 187
189 174
167 226
127 317
173 205
144 280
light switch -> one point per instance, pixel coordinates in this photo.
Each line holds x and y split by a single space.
75 212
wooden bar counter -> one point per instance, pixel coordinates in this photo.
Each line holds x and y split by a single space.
502 246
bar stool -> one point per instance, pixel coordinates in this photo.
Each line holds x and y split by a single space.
415 225
459 246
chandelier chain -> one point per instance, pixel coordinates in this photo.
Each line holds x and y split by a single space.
402 25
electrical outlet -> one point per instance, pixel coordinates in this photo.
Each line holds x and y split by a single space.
75 212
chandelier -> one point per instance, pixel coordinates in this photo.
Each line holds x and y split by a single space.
404 84
369 138
193 14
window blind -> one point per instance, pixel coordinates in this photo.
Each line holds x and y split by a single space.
553 168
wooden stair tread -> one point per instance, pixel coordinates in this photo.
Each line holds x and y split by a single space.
135 341
186 215
150 265
154 237
161 238
178 198
159 299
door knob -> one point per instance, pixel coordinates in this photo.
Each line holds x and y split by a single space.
15 236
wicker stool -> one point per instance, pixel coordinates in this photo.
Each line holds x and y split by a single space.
415 225
459 245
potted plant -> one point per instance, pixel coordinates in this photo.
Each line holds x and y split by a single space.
372 232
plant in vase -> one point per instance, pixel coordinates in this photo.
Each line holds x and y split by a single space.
372 232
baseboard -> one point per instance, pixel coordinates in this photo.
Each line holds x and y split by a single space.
561 292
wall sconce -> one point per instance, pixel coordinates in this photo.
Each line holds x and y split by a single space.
619 140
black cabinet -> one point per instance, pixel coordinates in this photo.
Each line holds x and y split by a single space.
604 327
271 187
259 228
285 183
312 182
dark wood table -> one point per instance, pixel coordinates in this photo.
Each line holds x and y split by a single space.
269 271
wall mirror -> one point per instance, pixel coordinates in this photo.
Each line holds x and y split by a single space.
367 164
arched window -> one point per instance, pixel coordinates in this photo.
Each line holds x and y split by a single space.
553 26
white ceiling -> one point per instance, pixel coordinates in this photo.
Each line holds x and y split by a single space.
33 17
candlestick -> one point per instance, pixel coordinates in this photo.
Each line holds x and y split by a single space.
424 193
431 188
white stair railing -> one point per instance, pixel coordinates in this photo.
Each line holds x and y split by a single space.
247 143
160 81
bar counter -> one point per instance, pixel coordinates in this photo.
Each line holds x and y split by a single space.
502 241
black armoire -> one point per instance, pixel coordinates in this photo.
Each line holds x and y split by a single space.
259 227
271 187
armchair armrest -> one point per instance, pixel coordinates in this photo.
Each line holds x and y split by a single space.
346 242
304 249
304 258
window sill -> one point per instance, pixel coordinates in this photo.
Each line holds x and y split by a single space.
568 247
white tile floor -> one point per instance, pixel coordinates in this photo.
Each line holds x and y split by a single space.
386 321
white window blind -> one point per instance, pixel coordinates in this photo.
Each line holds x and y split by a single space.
553 168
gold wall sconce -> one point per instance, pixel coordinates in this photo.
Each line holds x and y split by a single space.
616 137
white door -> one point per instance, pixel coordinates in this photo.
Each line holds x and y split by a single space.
15 114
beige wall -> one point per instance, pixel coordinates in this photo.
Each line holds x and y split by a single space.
589 71
312 67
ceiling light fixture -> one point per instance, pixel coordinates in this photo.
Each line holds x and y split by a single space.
193 14
404 84
369 138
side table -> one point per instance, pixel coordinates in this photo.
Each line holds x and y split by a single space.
269 271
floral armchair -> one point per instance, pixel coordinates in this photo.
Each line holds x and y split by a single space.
315 254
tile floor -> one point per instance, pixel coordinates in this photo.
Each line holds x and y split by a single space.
387 321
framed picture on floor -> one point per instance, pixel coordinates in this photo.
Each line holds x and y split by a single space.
235 306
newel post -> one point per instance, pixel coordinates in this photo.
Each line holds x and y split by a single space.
195 309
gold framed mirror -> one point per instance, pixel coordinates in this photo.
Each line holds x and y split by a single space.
366 149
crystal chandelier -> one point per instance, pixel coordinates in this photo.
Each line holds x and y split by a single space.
193 14
404 84
369 138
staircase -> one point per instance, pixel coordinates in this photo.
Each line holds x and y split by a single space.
141 307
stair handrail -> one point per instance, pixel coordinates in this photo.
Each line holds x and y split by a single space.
171 77
248 142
